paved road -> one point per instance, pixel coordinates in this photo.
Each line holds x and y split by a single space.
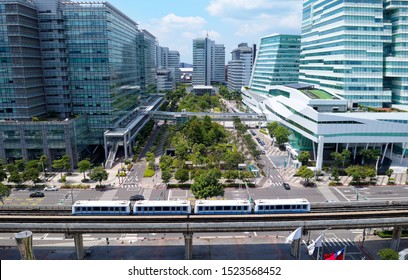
223 246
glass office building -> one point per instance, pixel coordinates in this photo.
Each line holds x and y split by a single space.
69 72
356 49
276 63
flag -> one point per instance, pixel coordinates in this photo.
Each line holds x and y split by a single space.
316 243
339 255
294 235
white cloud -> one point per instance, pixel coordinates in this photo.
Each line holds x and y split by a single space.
219 7
174 21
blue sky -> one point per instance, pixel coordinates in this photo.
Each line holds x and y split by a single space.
177 22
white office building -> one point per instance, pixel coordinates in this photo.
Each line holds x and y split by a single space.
240 67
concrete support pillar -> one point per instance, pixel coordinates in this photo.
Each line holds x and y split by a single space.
367 146
396 238
320 148
188 241
314 151
79 245
125 147
392 148
337 147
385 151
347 146
355 152
404 147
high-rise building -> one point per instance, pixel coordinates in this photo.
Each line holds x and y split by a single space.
208 62
21 74
70 73
167 59
356 49
149 82
240 67
276 63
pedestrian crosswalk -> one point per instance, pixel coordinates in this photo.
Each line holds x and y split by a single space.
334 242
130 186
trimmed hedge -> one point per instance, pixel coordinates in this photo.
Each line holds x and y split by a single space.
148 173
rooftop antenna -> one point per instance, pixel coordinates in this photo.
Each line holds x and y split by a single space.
207 33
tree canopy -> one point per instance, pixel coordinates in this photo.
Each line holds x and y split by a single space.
98 174
207 185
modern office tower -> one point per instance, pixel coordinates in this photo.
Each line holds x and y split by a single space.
54 59
149 83
174 65
218 64
71 75
277 62
396 51
169 60
356 49
103 66
21 74
240 67
208 62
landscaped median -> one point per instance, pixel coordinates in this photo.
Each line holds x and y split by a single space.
148 172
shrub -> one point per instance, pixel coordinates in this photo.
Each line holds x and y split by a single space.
148 173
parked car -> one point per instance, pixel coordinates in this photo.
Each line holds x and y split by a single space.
252 132
37 194
51 188
136 197
286 186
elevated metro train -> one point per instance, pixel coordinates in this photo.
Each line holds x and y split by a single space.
184 207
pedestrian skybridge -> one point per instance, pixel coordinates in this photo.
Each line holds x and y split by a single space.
183 116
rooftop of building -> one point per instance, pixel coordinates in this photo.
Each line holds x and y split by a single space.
312 92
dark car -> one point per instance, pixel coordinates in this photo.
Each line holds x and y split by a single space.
286 186
252 132
37 194
136 197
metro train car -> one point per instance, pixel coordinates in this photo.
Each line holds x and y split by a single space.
272 206
101 207
214 207
162 207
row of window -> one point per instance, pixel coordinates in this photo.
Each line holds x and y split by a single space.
100 209
160 208
223 208
280 207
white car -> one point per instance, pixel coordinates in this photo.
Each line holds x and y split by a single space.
51 188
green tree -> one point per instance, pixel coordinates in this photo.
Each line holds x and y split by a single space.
207 185
33 164
389 172
369 155
271 127
305 173
388 254
11 168
43 162
359 173
335 175
83 166
31 174
304 157
181 175
340 159
98 174
281 135
15 177
166 162
20 163
4 192
3 174
166 175
64 163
